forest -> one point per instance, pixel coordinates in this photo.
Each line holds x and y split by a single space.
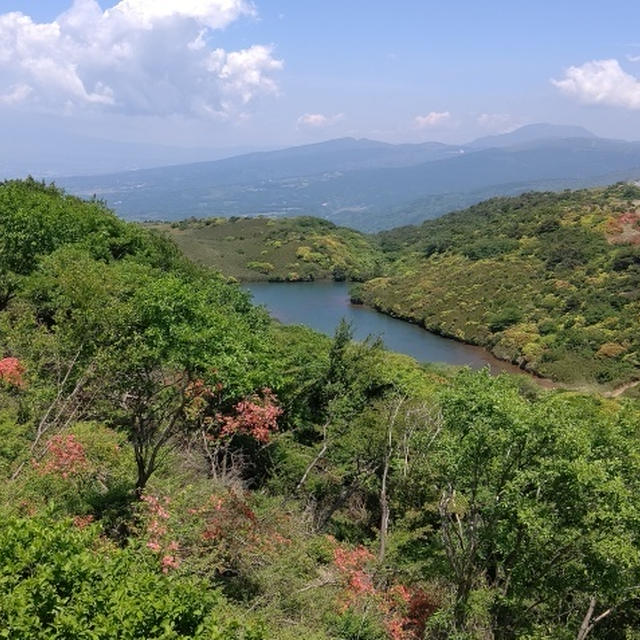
174 464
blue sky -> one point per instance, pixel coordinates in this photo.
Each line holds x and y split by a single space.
397 71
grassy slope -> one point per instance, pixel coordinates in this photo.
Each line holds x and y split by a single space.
550 281
290 249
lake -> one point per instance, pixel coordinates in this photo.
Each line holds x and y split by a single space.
321 306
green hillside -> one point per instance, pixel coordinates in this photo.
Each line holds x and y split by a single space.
550 281
277 249
174 465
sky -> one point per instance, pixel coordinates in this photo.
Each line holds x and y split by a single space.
230 74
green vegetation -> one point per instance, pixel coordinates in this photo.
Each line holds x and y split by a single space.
548 281
175 465
277 249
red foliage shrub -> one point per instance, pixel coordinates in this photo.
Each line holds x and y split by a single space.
354 565
422 606
230 532
82 522
227 516
404 611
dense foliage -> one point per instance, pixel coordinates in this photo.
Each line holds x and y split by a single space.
550 281
174 465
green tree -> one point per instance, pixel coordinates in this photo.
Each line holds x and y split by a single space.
537 505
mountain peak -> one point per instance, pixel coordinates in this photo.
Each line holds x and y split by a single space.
530 133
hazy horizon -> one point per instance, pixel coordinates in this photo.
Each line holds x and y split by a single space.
234 74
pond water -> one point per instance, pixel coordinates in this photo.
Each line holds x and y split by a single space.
321 306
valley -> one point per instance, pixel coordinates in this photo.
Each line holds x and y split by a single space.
174 459
319 320
548 282
322 305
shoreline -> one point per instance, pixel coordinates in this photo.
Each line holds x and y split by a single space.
495 363
511 367
506 366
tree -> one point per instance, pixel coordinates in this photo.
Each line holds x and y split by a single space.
353 378
182 332
537 504
132 340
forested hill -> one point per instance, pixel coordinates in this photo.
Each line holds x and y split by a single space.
551 281
369 185
174 465
277 249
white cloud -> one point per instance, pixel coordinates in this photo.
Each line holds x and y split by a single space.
16 94
432 119
631 58
149 57
215 14
601 82
318 120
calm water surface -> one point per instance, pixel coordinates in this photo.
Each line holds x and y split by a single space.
321 306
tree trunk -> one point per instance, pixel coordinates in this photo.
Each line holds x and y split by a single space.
142 477
384 498
317 459
384 502
588 624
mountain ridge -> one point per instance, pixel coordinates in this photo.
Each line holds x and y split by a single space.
362 182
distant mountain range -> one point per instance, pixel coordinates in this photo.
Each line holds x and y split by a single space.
367 184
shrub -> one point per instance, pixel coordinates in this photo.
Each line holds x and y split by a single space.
504 318
62 581
261 267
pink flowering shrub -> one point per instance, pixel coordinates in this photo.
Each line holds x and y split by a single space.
209 534
12 372
404 611
65 456
255 416
157 532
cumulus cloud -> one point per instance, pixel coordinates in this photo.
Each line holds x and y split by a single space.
151 57
601 82
216 15
318 120
432 119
